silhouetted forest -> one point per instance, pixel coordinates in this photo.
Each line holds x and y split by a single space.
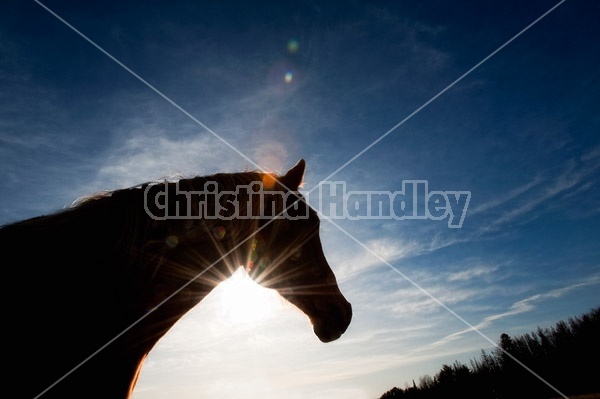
566 356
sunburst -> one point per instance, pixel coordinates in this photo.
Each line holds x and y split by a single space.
243 301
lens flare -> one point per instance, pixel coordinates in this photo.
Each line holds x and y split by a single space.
172 241
219 232
292 46
289 76
268 181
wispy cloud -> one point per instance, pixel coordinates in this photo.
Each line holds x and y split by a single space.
532 205
592 154
503 199
147 155
355 260
471 273
523 306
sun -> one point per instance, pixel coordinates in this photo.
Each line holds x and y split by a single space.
243 301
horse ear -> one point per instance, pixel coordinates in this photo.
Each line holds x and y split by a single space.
293 178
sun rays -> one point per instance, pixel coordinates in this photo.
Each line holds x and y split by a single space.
243 301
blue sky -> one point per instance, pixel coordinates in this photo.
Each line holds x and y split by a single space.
323 81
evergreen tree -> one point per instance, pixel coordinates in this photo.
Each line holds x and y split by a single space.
565 356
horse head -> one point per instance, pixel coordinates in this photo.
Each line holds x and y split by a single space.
262 221
286 255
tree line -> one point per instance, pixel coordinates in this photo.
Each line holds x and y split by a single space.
564 357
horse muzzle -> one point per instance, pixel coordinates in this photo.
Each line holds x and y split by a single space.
332 320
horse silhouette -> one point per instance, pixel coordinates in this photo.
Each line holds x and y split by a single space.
96 285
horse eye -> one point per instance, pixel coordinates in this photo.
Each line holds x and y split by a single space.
296 254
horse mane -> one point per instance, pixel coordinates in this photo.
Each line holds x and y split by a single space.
129 199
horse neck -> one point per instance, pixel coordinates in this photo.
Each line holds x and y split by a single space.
183 259
107 256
